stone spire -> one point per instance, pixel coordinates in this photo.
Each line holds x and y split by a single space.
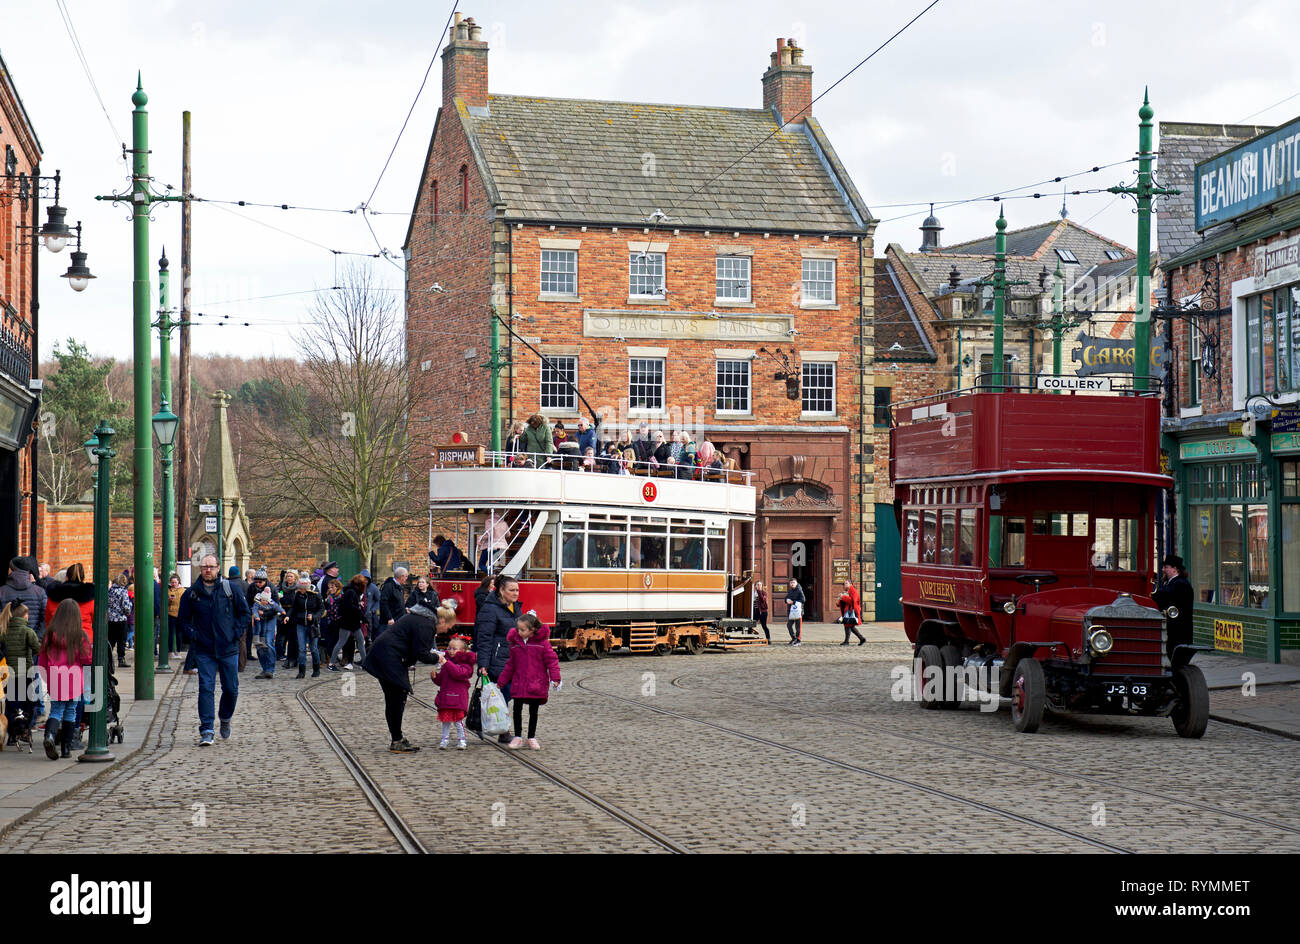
218 479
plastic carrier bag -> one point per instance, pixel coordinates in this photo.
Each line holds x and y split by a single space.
496 720
796 611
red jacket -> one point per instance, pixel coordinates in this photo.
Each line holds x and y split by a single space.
851 598
531 666
83 594
453 681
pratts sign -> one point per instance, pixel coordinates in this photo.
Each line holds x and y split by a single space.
1252 175
1054 382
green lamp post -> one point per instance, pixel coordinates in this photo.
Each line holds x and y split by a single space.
100 452
165 424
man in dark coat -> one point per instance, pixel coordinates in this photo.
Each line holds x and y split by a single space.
1176 591
496 617
446 556
21 587
392 598
411 639
214 613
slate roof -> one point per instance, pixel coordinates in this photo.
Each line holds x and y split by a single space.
558 159
899 335
1029 251
1182 146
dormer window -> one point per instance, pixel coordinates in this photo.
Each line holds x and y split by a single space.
1067 256
1114 254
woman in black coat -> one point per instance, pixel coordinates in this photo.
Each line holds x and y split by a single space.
423 594
496 618
410 640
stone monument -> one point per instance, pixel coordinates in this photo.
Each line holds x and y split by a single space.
218 509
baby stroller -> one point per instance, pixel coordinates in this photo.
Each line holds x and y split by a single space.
112 705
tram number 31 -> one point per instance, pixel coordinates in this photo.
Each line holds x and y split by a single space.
1126 689
649 491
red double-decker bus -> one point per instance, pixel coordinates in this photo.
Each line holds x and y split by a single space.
1028 527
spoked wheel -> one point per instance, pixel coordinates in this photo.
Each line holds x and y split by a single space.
692 645
929 661
570 653
950 658
1028 695
1192 713
662 649
595 649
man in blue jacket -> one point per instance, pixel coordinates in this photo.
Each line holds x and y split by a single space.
214 615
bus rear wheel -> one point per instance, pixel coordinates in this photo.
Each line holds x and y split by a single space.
950 658
928 662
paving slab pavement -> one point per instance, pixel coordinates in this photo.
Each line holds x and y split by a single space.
30 782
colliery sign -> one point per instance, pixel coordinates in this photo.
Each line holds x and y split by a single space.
1252 175
1115 356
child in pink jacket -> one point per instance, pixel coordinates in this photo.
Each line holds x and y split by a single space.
531 669
452 678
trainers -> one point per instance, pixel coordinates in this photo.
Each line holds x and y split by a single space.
349 667
402 747
334 668
443 745
205 739
515 743
461 745
534 744
225 730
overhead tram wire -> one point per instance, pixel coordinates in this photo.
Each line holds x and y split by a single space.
248 219
71 29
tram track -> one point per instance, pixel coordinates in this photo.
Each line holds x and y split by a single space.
989 755
393 821
610 809
866 771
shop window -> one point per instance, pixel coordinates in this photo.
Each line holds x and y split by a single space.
1290 537
1232 557
1202 541
1257 582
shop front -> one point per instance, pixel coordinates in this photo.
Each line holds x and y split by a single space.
1240 530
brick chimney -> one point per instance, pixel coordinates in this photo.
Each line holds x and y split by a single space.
465 65
787 83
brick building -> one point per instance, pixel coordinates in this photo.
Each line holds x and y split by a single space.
1232 427
18 310
669 260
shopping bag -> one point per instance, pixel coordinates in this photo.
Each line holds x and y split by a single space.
796 611
496 720
474 713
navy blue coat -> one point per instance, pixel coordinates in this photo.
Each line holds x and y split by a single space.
493 622
214 621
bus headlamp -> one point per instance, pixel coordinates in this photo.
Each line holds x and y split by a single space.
1009 608
1101 641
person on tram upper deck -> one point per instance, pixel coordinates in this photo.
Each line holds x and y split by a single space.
586 436
1177 591
537 440
446 556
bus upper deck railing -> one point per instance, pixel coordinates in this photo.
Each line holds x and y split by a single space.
1125 386
717 472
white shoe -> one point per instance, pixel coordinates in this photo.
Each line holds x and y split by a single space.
442 745
461 745
534 744
349 667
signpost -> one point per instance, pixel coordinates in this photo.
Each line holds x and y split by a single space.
459 455
1102 355
1066 382
210 524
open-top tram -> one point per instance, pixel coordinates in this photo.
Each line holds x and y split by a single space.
609 561
1027 522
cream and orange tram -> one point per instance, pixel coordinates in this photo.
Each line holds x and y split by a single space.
608 561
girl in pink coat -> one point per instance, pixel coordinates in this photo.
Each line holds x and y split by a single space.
531 669
452 678
65 650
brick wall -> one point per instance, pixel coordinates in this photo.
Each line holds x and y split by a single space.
907 381
66 535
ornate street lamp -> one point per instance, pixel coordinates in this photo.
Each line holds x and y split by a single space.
97 750
78 274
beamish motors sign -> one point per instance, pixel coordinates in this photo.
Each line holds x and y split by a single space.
1252 175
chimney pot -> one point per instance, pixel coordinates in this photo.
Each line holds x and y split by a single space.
465 67
780 44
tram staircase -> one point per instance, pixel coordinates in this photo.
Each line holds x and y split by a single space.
518 527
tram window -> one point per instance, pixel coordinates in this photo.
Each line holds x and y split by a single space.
543 556
929 536
716 554
1006 541
647 552
606 550
1079 525
966 538
572 556
948 537
912 536
687 553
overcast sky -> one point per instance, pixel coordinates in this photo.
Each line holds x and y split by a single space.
300 102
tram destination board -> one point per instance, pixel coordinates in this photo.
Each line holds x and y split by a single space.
459 455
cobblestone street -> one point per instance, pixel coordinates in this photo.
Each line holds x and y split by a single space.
764 750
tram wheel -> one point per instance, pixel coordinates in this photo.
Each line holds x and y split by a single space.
928 656
596 649
570 653
1028 695
692 645
663 649
1192 713
950 658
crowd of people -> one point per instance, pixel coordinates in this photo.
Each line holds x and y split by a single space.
537 443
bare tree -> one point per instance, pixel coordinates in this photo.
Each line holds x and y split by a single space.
336 445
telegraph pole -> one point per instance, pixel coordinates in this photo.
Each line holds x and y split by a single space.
182 451
1143 193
